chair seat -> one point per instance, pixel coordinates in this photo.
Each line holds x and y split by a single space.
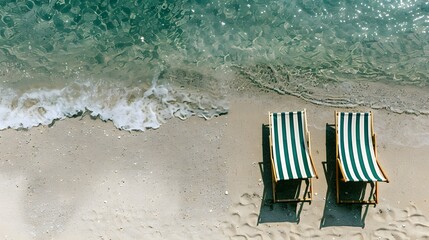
356 148
290 156
290 151
356 156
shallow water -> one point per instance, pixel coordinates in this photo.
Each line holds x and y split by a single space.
139 63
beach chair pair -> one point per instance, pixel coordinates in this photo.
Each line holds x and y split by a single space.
291 160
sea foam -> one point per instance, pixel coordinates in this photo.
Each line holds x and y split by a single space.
128 108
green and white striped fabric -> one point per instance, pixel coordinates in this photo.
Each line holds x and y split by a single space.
290 153
355 148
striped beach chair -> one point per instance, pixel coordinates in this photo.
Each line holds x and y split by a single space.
290 154
356 154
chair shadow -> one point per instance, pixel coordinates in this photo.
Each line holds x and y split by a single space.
340 214
270 211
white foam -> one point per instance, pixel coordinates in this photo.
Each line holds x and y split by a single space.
129 109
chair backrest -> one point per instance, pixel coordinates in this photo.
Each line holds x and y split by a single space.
356 149
290 154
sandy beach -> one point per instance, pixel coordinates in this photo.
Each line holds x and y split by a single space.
82 178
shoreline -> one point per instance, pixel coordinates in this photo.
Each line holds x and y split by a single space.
142 106
200 179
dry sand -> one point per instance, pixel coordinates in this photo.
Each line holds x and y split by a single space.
84 179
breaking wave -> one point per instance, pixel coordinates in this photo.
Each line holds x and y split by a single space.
128 108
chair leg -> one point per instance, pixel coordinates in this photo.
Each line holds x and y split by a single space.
337 181
274 191
376 193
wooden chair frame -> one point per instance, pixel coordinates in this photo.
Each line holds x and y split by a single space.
308 193
339 170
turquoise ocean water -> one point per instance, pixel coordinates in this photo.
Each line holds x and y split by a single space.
139 63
